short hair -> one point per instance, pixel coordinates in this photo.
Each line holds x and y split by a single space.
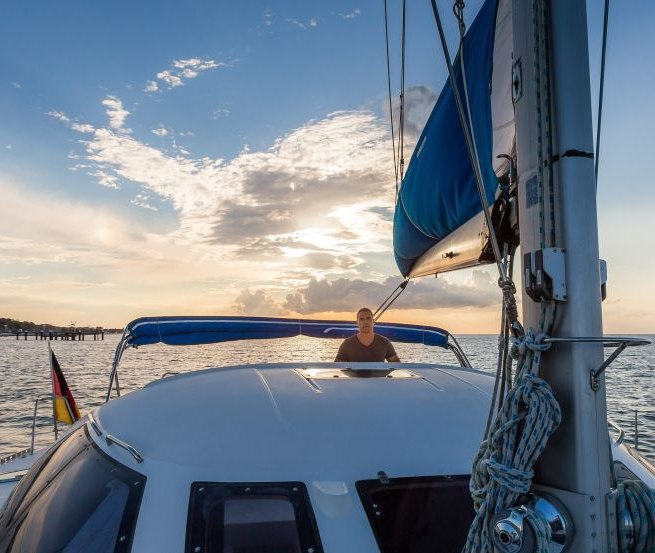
364 309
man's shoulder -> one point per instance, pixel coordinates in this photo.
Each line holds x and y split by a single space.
381 338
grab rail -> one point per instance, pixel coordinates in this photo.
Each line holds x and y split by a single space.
620 430
618 342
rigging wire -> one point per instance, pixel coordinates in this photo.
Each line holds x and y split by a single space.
393 134
390 299
602 86
401 130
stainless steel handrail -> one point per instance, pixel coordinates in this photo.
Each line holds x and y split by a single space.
620 430
127 447
618 342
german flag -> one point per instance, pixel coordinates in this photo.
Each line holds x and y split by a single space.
65 409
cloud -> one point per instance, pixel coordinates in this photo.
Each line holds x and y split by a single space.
60 115
16 85
219 113
257 303
105 179
303 24
307 194
116 112
161 131
352 15
143 200
349 294
268 16
318 200
181 71
84 128
419 101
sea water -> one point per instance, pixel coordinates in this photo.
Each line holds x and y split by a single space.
25 375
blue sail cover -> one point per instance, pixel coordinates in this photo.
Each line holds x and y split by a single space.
439 193
182 331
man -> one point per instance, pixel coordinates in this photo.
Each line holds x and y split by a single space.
366 345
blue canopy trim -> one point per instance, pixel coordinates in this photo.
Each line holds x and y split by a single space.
182 331
439 193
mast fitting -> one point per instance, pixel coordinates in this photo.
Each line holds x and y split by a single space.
545 275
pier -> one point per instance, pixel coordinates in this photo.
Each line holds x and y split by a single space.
79 334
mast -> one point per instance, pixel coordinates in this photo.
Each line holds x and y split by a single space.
554 131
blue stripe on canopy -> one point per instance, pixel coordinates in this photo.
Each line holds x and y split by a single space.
182 331
439 193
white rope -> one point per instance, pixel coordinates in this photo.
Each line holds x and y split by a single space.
502 469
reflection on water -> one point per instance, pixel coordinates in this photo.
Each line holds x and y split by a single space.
25 375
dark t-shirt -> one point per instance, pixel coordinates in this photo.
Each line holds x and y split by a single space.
353 350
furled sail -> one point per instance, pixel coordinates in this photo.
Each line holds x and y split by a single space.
439 194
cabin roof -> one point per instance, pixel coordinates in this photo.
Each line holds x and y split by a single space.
299 421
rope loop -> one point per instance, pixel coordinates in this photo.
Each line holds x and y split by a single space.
529 342
516 480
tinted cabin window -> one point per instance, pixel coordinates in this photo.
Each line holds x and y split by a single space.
251 518
78 501
415 515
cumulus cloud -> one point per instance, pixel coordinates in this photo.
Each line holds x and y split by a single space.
347 294
116 112
320 195
181 71
257 303
317 202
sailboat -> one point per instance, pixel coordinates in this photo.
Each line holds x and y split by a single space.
379 457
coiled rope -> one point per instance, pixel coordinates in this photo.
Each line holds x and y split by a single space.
502 469
636 510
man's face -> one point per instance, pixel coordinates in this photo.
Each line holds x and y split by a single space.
365 322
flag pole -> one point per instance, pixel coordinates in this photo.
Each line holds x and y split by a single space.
52 383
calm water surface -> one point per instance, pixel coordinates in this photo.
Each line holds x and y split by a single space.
24 375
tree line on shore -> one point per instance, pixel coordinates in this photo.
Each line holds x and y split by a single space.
12 326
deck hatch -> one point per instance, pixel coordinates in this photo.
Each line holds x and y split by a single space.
241 517
329 374
418 514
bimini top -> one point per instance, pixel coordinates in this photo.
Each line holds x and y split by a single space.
184 331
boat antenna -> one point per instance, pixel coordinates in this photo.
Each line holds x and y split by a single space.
393 134
601 87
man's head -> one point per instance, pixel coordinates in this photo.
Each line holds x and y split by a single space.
365 322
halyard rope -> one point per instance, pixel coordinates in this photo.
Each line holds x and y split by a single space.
502 469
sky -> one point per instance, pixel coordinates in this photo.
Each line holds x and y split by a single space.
213 157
